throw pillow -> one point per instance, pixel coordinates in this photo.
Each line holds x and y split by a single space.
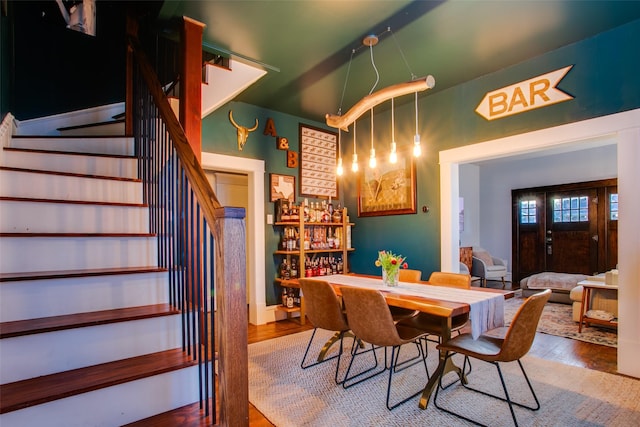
484 257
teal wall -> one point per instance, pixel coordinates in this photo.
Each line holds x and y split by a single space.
604 80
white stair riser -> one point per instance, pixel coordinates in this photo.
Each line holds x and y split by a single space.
87 165
113 406
23 300
60 187
116 145
38 217
31 356
33 254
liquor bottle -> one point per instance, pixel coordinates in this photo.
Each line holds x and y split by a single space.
307 217
285 294
330 210
330 240
294 268
290 298
337 214
283 269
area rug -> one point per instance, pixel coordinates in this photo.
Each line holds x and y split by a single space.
569 396
557 320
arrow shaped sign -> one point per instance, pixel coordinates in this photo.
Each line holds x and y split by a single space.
524 96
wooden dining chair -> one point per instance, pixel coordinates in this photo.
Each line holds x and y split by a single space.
324 310
515 344
371 321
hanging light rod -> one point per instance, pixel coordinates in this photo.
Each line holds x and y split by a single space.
376 98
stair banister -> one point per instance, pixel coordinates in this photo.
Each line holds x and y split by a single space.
175 182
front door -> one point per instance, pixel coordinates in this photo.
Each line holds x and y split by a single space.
571 241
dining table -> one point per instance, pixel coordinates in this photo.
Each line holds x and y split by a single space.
485 307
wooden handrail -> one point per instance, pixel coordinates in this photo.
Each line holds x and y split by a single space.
227 225
201 187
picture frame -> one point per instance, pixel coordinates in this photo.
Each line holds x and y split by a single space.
388 189
282 187
318 161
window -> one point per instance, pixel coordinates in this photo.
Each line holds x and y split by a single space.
571 209
528 212
613 207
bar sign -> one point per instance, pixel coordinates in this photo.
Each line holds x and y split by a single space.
528 95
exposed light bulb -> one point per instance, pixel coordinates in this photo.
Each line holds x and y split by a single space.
393 156
417 149
339 169
354 163
372 158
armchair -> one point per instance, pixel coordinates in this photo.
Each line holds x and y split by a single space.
488 267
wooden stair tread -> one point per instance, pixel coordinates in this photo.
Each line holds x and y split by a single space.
47 388
77 175
39 275
63 201
187 416
70 153
77 234
79 320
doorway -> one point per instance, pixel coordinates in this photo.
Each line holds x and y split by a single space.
232 189
622 129
255 228
568 228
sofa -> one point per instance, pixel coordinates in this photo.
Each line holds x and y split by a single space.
560 284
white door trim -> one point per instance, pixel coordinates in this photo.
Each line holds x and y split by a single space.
624 129
258 313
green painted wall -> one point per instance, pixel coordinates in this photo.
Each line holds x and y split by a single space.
604 80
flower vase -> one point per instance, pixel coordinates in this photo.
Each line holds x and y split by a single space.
390 278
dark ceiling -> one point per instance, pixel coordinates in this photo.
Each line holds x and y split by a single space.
306 45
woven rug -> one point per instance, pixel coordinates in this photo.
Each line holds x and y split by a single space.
557 320
569 396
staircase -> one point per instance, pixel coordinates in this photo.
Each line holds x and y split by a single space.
87 337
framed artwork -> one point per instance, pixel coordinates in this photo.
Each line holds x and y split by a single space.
388 189
318 152
282 187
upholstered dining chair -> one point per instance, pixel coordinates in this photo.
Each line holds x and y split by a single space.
324 310
407 275
371 321
509 347
431 324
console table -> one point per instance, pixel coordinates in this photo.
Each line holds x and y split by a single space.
588 286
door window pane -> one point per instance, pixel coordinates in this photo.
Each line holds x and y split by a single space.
528 212
613 207
571 209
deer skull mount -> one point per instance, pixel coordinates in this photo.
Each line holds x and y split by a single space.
243 132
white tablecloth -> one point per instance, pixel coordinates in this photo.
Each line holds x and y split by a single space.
486 308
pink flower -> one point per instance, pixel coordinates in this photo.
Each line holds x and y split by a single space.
394 261
405 265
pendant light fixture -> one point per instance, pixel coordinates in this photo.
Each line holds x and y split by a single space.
373 99
354 162
393 155
372 152
339 169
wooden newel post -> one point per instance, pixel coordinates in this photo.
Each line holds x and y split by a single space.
231 327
